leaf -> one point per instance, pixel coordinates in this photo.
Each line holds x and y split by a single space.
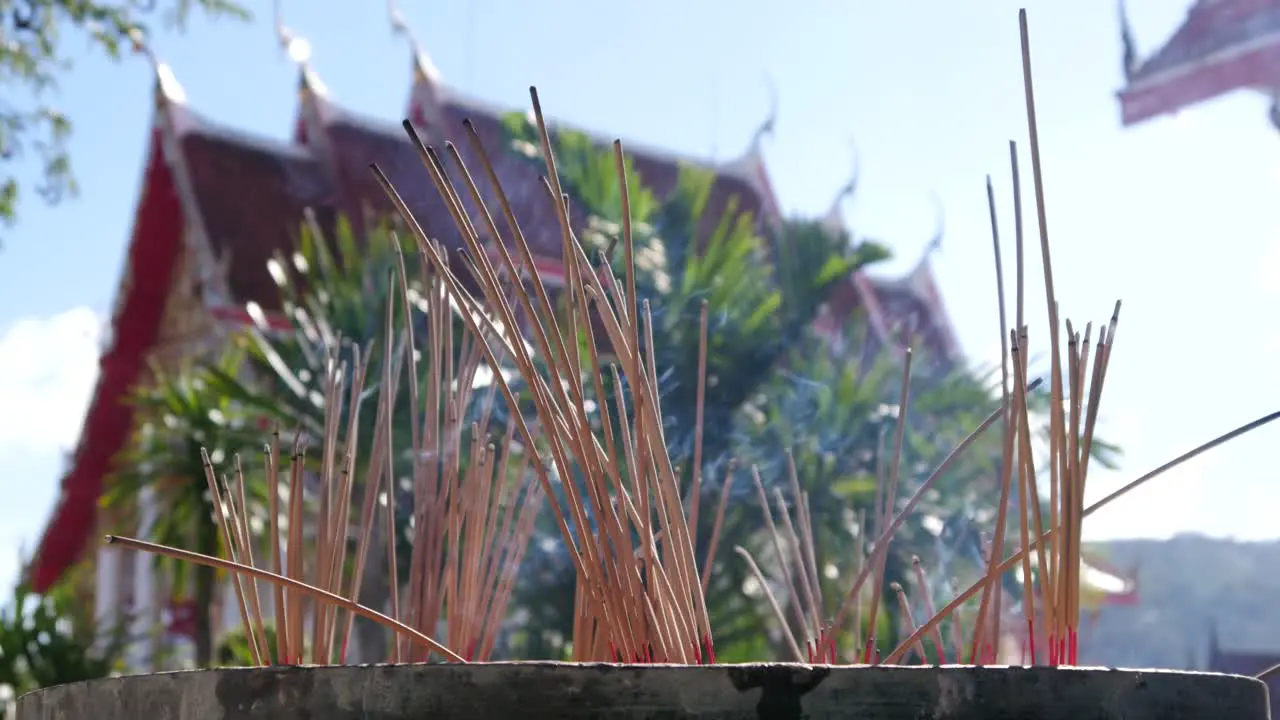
762 312
854 485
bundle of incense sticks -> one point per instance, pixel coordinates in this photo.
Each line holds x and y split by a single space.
623 518
1074 396
590 641
638 592
471 524
641 596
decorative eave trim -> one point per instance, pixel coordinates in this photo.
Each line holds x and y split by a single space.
174 120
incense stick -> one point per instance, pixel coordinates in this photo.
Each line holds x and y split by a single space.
301 587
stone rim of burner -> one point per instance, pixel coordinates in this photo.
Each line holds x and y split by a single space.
588 690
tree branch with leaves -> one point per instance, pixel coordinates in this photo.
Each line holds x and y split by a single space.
34 37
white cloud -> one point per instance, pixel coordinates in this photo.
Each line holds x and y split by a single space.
48 367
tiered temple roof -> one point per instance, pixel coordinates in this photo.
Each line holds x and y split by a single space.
226 201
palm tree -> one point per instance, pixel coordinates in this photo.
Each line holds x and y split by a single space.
179 414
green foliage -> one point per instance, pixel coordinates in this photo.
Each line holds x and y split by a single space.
33 54
837 419
46 640
180 414
234 650
587 173
336 295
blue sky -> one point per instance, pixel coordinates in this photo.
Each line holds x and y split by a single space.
1176 216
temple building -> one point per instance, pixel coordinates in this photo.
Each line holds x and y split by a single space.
216 203
1220 47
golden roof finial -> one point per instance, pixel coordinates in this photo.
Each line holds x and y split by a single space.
935 243
834 218
769 126
1129 48
167 86
422 65
298 49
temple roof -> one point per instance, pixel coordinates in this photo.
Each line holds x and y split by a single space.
251 190
914 299
251 194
